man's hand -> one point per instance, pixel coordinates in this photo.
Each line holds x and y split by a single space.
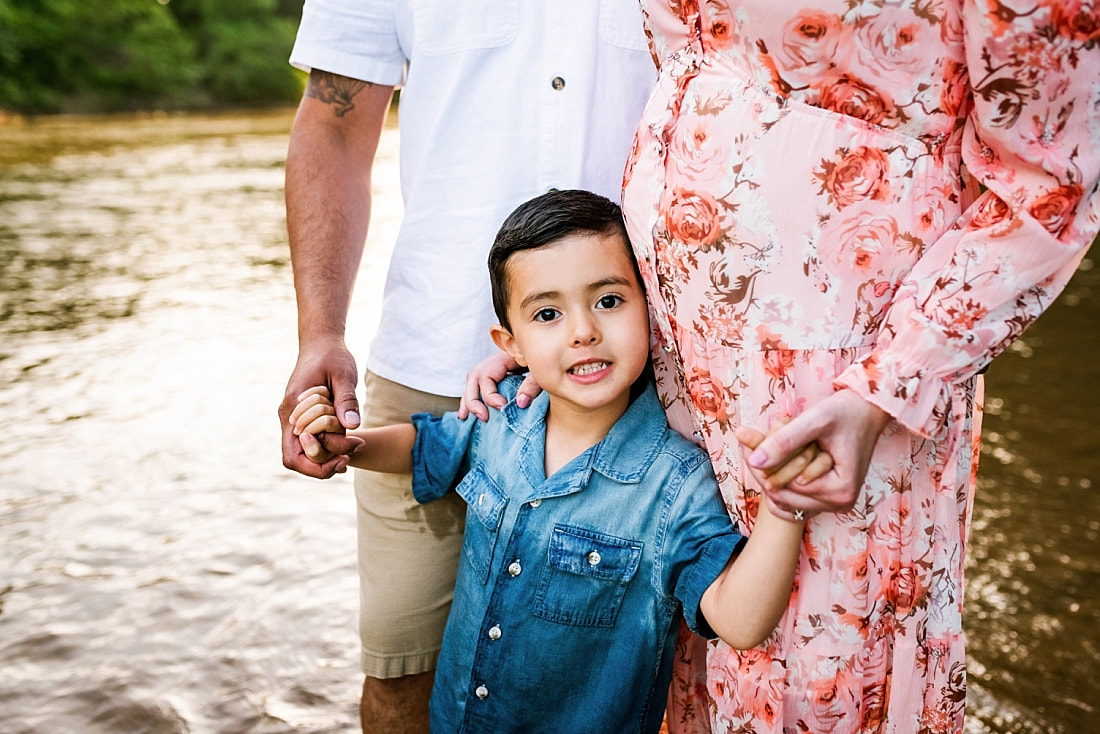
332 365
843 425
481 387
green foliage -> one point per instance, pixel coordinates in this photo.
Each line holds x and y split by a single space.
244 62
76 55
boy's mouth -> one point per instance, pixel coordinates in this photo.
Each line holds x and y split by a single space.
588 368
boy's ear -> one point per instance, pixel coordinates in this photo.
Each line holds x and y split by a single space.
506 343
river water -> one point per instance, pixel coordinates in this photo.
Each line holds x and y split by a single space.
161 572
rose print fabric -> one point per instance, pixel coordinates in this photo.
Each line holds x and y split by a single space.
870 195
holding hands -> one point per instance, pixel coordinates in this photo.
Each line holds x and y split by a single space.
845 427
311 419
325 362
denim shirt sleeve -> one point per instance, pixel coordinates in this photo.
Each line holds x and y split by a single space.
701 538
440 454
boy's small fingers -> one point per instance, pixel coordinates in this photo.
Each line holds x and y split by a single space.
315 390
789 470
819 467
310 401
312 448
748 437
323 424
312 415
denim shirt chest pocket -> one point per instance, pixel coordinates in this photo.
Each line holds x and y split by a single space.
485 502
586 577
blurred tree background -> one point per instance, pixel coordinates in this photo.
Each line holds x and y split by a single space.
111 55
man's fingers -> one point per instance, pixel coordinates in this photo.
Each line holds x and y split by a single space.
347 406
340 444
295 459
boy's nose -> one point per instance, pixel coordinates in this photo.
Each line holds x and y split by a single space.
585 332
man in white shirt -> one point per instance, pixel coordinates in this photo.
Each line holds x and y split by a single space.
501 101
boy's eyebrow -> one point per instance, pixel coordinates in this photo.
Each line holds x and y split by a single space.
534 297
594 286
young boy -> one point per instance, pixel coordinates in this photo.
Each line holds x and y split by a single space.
591 525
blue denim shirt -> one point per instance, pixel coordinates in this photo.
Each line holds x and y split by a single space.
570 587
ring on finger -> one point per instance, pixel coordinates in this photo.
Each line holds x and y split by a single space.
799 515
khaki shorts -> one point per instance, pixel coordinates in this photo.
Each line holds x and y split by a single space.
408 552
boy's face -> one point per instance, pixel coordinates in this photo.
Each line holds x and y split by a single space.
579 320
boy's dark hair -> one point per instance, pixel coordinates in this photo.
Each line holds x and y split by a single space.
544 220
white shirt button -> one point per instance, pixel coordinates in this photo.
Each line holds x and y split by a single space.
536 503
594 558
514 568
494 632
557 83
481 692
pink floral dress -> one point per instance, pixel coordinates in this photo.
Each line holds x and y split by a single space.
870 195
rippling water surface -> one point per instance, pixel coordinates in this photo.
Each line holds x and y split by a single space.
163 573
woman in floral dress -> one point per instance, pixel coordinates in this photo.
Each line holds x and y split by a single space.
843 210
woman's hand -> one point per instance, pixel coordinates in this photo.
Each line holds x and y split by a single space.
481 387
843 425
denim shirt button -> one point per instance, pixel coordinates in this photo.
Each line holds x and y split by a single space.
514 568
536 503
494 632
481 692
594 558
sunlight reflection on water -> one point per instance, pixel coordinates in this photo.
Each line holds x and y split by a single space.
166 573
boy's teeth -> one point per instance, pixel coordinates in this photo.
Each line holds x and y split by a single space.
589 368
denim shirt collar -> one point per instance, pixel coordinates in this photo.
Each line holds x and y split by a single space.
623 455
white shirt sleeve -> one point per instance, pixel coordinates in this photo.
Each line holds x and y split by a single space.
352 38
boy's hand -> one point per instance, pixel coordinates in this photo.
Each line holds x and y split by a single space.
808 464
312 418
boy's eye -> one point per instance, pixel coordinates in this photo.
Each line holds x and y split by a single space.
546 314
609 301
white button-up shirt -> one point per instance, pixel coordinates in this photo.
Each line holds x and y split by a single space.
501 100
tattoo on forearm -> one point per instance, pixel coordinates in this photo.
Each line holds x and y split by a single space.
338 91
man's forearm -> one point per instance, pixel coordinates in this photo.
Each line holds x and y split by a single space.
328 174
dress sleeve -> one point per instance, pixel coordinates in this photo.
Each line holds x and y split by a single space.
352 38
440 454
1032 140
